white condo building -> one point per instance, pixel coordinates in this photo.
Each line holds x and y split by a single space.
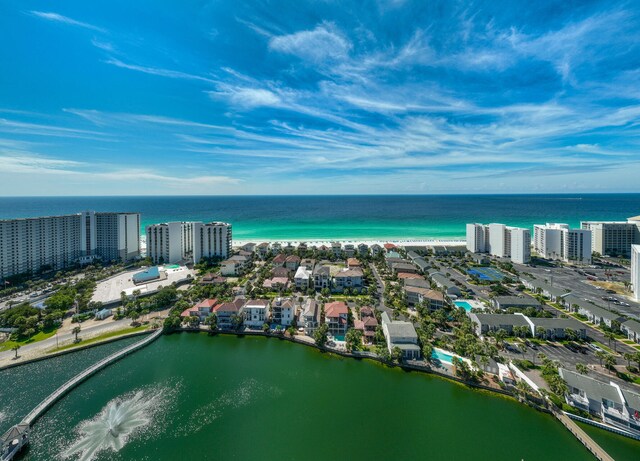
635 271
556 241
500 240
212 239
613 238
170 242
55 242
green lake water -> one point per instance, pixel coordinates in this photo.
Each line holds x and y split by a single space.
231 398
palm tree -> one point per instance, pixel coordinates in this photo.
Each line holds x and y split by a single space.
628 357
582 368
76 331
601 356
610 362
611 335
15 349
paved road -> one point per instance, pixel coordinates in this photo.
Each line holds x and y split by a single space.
67 336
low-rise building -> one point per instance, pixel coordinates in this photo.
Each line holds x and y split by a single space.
276 283
227 312
349 250
614 405
279 259
375 250
518 302
282 312
336 317
336 248
449 287
292 262
308 263
491 323
202 310
418 295
256 312
631 328
367 324
262 250
398 267
212 279
353 263
595 314
401 335
363 250
280 271
556 328
416 282
545 289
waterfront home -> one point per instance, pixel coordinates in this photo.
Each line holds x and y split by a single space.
249 247
490 323
367 324
349 250
614 405
363 249
388 247
555 328
280 271
276 283
505 375
202 310
282 311
347 278
310 316
256 312
276 247
212 279
263 250
292 262
308 263
353 263
279 259
401 335
518 302
321 277
234 266
226 312
302 247
631 328
302 278
375 250
398 267
336 317
418 295
336 248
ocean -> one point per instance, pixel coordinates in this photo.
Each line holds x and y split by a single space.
392 217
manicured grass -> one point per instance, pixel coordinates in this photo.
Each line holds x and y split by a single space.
606 348
102 337
7 345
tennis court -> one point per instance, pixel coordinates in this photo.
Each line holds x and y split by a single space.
487 273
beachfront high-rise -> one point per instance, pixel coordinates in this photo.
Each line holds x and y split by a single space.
55 242
500 241
613 238
170 242
211 240
558 242
635 271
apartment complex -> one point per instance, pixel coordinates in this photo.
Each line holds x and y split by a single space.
635 271
170 242
613 238
55 242
557 241
211 240
500 240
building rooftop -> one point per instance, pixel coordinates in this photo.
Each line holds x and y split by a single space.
596 390
632 325
335 309
556 323
517 301
501 319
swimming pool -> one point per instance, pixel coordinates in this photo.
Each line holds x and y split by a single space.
442 356
463 304
172 266
338 337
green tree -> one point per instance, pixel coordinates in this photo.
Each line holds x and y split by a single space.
582 368
321 334
265 327
601 356
353 339
396 354
611 335
76 332
134 316
15 349
610 362
212 322
628 357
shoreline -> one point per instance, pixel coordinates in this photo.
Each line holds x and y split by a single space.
358 241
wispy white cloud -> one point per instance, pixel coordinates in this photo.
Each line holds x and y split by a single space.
55 17
159 71
322 43
247 97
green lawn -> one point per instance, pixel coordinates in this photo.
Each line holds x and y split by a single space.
102 337
606 348
7 345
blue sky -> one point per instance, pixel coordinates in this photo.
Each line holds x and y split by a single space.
318 97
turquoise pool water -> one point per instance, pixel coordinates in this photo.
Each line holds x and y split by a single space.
338 337
442 356
463 304
172 266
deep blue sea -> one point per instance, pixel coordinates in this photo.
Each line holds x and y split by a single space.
345 217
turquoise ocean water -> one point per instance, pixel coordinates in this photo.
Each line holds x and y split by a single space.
345 217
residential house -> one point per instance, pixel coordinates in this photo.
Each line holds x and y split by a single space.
202 310
212 279
347 278
308 263
388 247
363 250
595 314
353 263
321 277
443 282
226 312
555 328
256 312
279 259
292 262
422 265
262 250
398 267
613 404
280 271
401 335
336 248
375 250
303 278
276 283
249 247
418 295
405 276
368 325
336 317
490 323
282 312
417 281
349 250
631 328
310 316
234 266
412 255
302 247
544 288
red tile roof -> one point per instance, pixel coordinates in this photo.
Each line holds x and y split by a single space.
389 246
407 275
335 309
